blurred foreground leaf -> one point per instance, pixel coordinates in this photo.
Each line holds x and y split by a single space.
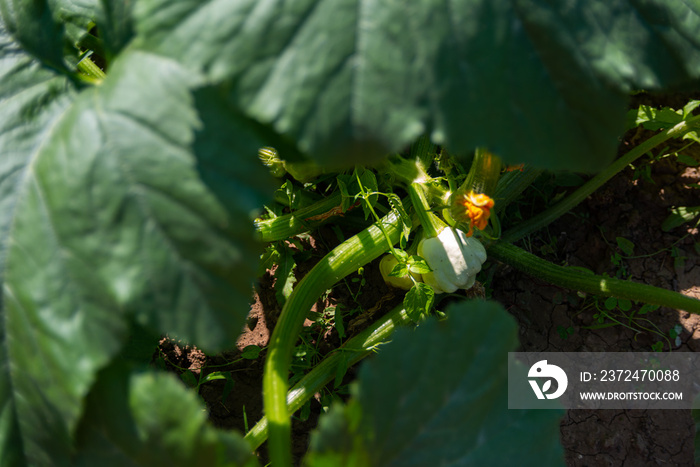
147 419
438 396
124 204
350 81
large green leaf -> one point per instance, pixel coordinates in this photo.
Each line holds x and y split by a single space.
114 23
75 16
31 99
145 420
48 29
350 80
32 24
438 396
133 205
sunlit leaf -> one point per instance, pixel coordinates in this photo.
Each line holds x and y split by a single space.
351 81
130 205
419 300
679 216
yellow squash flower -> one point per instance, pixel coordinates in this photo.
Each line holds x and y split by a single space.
476 208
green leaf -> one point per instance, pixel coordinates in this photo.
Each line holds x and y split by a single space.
625 245
251 352
418 301
610 303
133 203
418 265
438 395
624 304
349 85
228 387
32 24
216 376
335 442
48 29
679 216
687 160
399 270
369 185
646 308
284 276
340 372
348 198
397 206
189 379
75 16
338 321
115 24
153 223
689 107
269 258
350 188
147 419
401 255
32 99
652 118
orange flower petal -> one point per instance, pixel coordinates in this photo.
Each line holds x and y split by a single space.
477 210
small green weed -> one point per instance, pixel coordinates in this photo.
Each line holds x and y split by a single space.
611 311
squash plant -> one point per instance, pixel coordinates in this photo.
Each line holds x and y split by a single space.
129 181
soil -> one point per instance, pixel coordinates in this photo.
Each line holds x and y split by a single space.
633 210
550 318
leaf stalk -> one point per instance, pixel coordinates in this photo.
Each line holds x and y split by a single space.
575 279
343 260
550 215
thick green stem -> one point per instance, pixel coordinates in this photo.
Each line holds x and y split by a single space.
368 204
343 260
404 171
301 198
512 184
431 225
90 42
484 173
301 220
576 279
89 68
349 354
546 217
423 151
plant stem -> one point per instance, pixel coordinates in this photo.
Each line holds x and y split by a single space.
512 184
430 224
89 68
299 221
351 352
576 279
90 42
404 171
423 152
482 178
343 260
365 199
301 198
484 173
546 217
